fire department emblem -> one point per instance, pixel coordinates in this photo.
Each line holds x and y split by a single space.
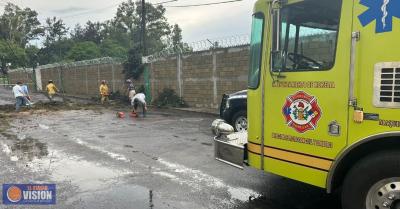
302 112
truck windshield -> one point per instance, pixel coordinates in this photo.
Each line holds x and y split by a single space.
308 34
256 50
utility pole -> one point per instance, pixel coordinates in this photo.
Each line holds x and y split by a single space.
144 53
144 50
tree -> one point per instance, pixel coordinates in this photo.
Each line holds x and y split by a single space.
19 25
56 52
176 42
12 53
31 56
110 48
134 67
157 27
176 37
55 30
78 33
84 51
111 31
125 16
56 44
118 37
129 17
92 32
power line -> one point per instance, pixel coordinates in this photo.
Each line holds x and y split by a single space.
199 5
164 2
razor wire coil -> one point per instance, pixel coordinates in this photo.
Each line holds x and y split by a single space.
199 46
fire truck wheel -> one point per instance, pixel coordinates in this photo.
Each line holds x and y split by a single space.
373 183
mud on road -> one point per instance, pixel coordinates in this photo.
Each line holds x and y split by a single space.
162 161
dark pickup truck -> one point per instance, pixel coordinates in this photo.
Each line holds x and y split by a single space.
234 110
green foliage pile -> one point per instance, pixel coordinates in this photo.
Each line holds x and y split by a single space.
168 98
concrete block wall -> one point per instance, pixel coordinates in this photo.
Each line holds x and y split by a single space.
201 78
163 75
232 71
25 76
197 79
84 80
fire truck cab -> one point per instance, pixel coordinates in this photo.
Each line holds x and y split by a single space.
324 98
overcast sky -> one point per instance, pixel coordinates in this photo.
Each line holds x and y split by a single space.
198 23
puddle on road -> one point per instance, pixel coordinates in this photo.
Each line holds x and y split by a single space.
86 175
26 150
98 186
34 155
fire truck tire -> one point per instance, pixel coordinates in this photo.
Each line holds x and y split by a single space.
374 179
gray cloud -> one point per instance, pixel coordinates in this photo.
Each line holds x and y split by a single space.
69 10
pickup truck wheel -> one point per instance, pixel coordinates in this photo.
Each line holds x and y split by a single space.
373 183
240 121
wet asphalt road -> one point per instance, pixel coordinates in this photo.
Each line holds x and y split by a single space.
162 161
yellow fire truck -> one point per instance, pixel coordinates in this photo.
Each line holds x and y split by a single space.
324 98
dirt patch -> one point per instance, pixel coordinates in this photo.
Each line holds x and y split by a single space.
7 108
5 122
41 107
7 112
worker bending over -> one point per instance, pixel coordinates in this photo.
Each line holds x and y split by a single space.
139 100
